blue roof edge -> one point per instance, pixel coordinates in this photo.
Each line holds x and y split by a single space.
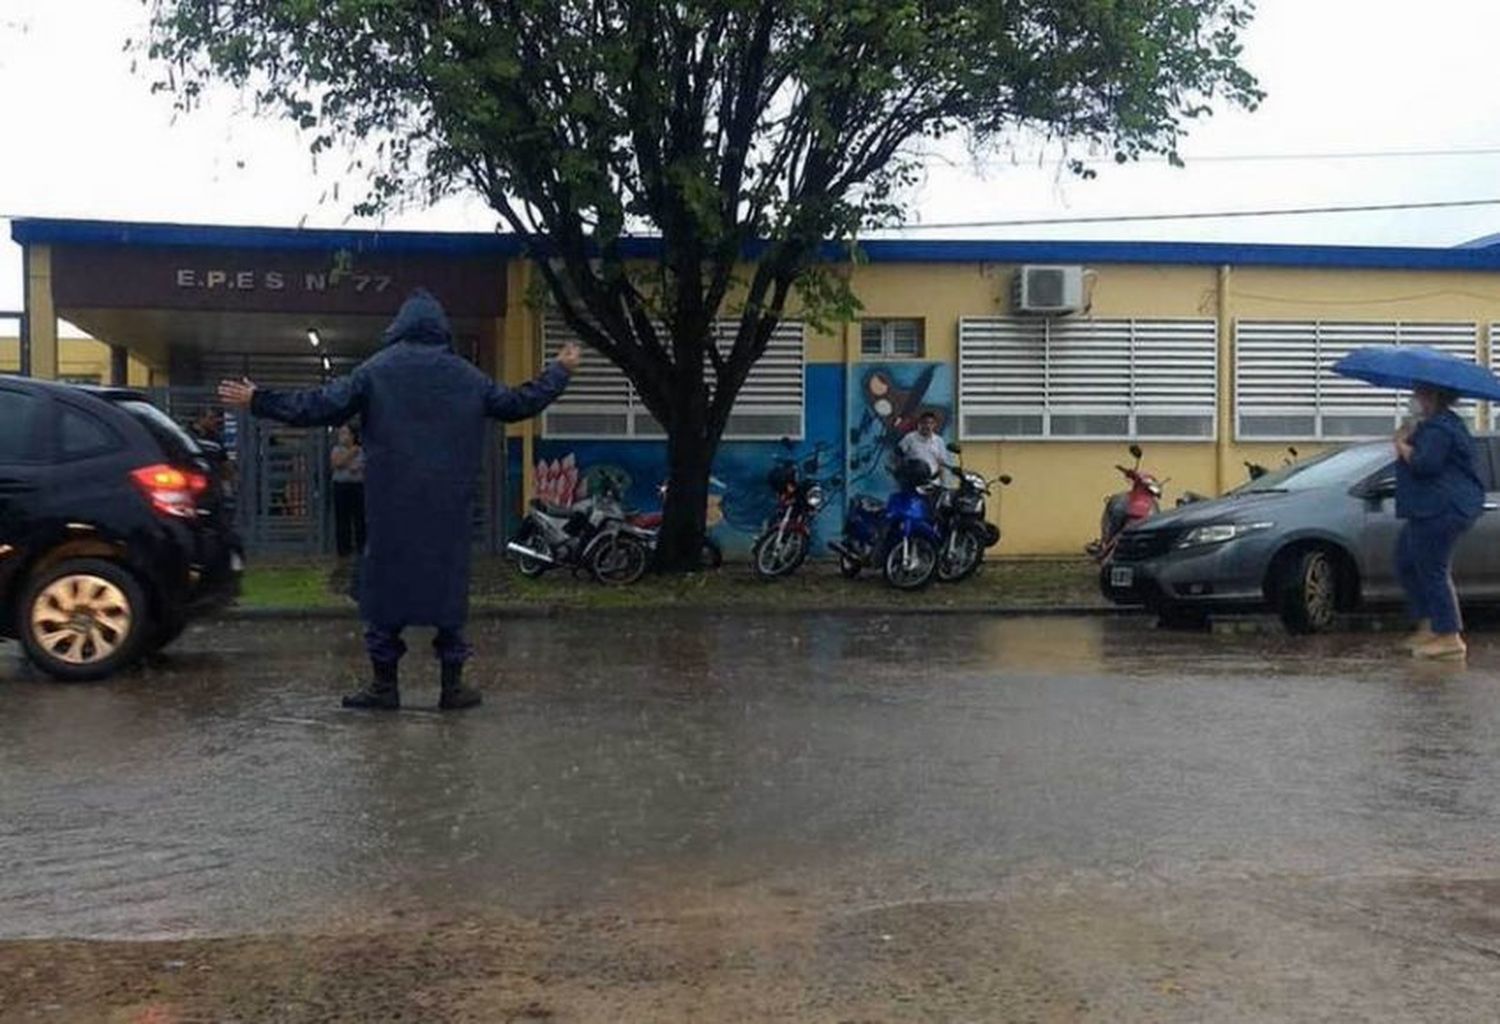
53 231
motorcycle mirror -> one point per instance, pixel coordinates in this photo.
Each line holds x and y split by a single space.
1291 451
1005 478
1135 451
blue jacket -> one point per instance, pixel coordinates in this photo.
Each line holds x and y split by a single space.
1442 477
424 410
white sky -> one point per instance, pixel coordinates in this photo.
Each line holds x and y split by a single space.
85 138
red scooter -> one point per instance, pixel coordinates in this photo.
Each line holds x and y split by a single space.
1127 508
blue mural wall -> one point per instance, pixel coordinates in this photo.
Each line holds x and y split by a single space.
883 403
854 421
740 499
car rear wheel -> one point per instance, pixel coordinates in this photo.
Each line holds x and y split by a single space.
1308 592
84 619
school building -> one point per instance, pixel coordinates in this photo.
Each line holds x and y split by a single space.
1044 360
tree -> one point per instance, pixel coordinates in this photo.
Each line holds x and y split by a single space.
748 135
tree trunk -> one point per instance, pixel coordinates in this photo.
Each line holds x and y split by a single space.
690 456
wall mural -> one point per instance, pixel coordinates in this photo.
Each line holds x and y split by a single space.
854 422
740 498
884 402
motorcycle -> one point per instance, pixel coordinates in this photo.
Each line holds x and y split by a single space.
967 534
1254 471
650 522
901 534
783 543
1126 508
590 536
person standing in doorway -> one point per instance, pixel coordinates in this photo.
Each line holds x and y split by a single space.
348 462
424 409
1439 494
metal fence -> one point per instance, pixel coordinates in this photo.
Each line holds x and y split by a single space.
283 489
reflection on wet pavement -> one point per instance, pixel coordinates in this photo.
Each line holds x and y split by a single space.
865 758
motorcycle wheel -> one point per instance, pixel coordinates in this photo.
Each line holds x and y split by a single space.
848 567
961 555
911 565
620 561
772 561
531 568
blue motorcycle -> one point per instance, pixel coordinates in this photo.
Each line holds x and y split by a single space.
900 534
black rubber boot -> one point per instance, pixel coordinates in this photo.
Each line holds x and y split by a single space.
382 694
456 696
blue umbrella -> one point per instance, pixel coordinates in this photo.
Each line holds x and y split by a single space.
1406 366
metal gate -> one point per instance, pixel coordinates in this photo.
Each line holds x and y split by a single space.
283 479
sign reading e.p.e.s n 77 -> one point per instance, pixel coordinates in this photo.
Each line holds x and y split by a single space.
103 277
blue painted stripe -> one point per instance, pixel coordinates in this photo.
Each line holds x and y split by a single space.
81 232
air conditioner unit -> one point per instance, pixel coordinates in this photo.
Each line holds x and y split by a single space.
1046 290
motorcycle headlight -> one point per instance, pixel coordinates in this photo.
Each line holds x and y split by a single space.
815 497
1220 533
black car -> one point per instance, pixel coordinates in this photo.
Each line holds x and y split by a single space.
114 529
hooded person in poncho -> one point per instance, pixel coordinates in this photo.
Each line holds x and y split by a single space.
424 410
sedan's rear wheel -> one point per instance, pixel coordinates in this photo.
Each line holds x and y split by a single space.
84 619
1308 592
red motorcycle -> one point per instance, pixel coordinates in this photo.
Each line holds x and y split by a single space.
713 554
1127 508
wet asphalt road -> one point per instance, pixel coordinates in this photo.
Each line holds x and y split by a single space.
1322 794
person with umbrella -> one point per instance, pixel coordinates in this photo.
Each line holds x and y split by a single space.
424 409
1439 493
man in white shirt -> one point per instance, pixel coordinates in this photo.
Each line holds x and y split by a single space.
927 445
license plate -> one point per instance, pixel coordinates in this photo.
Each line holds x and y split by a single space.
1122 576
236 563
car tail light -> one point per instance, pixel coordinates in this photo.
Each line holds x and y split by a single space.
171 491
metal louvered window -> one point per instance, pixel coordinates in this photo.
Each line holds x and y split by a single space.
1087 379
1286 390
602 403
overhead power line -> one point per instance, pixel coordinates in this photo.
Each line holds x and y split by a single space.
1379 154
1373 154
1294 211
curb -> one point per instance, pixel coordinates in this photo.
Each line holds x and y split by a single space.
554 611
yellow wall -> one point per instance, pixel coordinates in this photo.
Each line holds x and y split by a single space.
77 357
1054 505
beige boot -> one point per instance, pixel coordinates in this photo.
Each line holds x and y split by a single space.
1421 638
1443 648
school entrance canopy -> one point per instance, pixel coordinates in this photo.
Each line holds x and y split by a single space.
193 303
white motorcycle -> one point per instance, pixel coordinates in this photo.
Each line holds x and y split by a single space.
592 535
